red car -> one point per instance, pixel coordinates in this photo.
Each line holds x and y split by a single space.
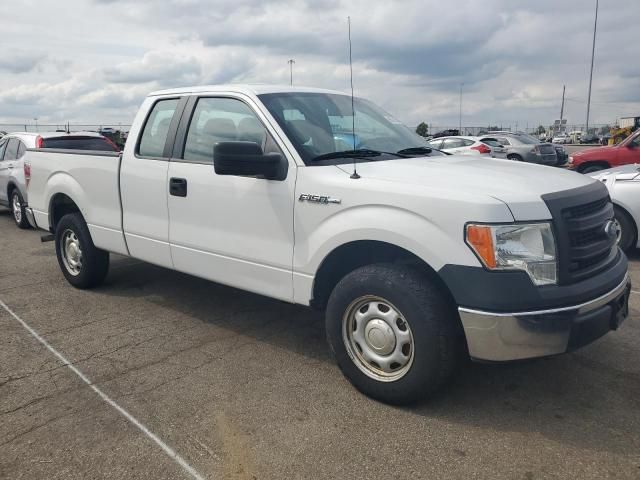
600 158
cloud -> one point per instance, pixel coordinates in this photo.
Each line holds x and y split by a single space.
20 61
98 58
156 66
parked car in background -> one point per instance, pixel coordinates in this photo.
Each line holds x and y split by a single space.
589 138
14 175
575 136
524 148
623 184
466 146
561 138
601 158
447 133
497 149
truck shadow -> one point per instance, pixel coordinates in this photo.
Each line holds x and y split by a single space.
564 399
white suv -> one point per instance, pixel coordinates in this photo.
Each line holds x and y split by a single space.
14 175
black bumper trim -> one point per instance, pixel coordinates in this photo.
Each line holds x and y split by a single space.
476 287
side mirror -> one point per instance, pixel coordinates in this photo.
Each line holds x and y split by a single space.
246 159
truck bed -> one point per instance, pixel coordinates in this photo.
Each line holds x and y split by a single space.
95 185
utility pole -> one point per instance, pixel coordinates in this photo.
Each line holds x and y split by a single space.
291 61
593 51
460 117
562 107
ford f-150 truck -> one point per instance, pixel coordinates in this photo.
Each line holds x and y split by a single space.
414 256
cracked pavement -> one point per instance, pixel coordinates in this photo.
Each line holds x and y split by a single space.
244 387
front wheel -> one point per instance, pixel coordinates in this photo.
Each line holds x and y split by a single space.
593 168
515 157
83 265
17 209
392 332
627 232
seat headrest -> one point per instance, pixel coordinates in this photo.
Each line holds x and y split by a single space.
221 128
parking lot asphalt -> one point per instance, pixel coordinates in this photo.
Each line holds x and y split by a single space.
244 387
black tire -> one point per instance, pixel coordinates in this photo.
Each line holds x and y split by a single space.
430 317
94 264
629 232
515 157
19 216
593 168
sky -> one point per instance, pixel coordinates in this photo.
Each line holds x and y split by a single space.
93 61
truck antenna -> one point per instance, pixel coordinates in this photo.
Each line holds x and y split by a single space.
354 175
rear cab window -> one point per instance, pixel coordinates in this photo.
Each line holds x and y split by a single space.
156 129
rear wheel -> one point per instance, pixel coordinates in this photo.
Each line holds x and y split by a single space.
17 209
392 332
627 229
514 157
83 265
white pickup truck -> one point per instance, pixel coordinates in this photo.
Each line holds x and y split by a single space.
414 255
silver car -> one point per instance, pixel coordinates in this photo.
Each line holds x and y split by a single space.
524 148
624 188
14 174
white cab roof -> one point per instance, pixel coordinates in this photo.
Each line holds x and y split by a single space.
249 89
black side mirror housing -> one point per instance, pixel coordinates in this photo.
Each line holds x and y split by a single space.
246 159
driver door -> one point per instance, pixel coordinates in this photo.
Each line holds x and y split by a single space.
235 230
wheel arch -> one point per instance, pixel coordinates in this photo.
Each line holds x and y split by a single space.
11 186
60 205
352 255
591 163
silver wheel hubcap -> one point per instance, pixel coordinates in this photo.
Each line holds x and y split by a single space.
618 230
17 208
378 338
71 252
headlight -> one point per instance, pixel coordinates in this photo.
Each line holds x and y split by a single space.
527 247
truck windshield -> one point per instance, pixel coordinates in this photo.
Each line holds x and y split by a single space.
320 127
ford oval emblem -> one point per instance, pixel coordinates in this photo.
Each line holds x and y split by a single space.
612 229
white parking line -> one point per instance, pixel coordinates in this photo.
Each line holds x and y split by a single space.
166 448
635 291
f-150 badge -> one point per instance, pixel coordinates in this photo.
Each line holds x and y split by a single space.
306 197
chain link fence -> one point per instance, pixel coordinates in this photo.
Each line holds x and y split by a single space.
597 129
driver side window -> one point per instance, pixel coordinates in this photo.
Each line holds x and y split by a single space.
217 120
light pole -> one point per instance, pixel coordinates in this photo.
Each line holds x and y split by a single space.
291 61
593 51
36 120
460 117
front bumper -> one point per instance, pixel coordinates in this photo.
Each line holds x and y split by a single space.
499 337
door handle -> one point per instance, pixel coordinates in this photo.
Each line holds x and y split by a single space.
178 187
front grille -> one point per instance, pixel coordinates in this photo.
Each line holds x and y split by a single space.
586 209
584 247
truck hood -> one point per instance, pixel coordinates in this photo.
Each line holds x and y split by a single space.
517 184
594 152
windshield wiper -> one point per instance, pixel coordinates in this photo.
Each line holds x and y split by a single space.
357 153
415 151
